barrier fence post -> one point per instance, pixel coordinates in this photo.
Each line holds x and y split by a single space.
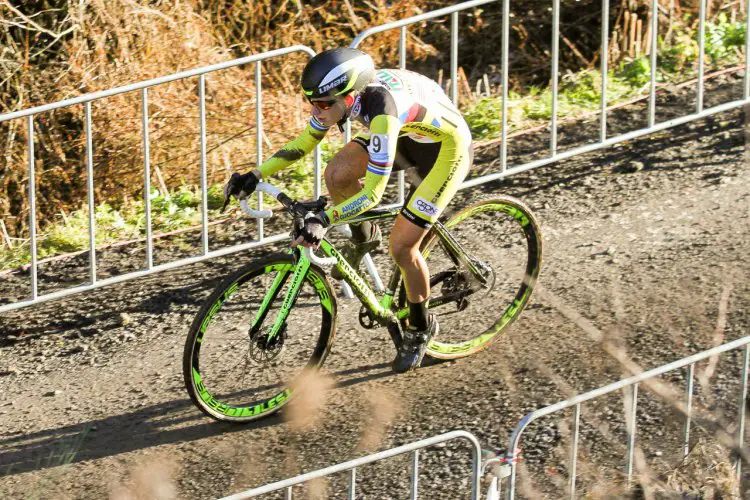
604 53
688 409
32 207
574 451
414 474
454 58
631 431
555 71
746 93
204 181
402 65
742 405
352 483
90 194
259 143
147 179
504 123
653 43
701 55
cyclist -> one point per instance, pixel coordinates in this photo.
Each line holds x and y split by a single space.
412 126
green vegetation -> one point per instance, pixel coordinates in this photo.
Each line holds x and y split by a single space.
581 92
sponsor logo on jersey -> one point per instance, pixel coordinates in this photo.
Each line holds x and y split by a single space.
353 206
329 86
390 79
425 207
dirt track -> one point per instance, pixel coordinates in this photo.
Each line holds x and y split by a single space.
646 242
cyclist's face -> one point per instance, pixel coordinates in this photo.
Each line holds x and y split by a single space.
328 110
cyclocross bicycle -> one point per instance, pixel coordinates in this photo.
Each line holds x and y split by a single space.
276 317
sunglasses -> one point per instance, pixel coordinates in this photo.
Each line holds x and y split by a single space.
323 104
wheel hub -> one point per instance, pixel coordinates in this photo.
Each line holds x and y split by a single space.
262 349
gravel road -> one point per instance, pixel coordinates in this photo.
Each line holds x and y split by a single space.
646 257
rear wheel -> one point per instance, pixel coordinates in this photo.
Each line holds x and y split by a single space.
504 239
233 369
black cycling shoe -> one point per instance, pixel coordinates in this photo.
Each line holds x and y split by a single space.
355 252
412 349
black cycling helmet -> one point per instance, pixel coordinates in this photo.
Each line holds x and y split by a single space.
337 72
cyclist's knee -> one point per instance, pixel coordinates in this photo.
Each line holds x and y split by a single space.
337 177
402 251
346 168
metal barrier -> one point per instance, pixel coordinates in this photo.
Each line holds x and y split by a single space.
143 87
504 171
633 382
554 156
352 465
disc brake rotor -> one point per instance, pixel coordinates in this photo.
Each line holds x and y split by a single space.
262 350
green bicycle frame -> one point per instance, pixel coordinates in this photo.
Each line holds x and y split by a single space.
380 309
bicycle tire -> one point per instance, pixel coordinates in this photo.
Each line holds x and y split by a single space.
474 227
222 324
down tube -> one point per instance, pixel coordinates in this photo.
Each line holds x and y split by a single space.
359 287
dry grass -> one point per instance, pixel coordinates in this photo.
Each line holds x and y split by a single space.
73 49
707 471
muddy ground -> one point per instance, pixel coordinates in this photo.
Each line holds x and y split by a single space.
646 256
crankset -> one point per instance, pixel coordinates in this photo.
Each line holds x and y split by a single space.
366 319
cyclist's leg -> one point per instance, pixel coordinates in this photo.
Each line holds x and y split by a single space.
423 208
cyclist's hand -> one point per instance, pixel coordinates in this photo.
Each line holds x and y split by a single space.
239 186
312 233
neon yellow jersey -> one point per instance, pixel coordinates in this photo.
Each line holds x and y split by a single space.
399 104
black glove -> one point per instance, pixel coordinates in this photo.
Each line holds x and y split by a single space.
314 230
240 186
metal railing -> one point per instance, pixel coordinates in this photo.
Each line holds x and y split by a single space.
351 467
632 383
86 100
603 141
504 170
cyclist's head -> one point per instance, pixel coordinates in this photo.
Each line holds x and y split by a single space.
333 77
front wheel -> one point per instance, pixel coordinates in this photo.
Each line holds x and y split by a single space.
234 368
504 240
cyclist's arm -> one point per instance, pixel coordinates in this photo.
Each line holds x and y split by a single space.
382 151
296 149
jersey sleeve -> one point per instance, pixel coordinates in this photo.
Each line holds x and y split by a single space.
295 149
381 154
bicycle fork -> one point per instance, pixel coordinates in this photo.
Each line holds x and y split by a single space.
298 276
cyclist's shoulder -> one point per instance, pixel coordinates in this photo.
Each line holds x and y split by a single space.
393 92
